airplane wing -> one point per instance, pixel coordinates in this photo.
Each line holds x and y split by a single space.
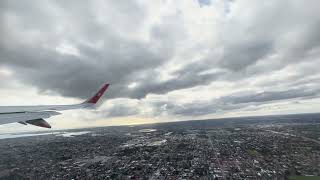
35 115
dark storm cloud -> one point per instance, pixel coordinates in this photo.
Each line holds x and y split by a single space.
187 77
267 30
304 42
119 61
239 56
116 62
75 76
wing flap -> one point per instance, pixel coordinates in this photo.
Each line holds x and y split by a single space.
39 122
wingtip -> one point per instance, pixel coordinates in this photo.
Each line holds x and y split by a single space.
99 94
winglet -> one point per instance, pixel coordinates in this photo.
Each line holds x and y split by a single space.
98 95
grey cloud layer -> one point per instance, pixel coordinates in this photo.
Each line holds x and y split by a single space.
268 37
235 102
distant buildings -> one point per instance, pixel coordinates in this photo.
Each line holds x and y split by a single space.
240 152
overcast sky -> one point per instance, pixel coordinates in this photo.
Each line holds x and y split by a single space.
166 60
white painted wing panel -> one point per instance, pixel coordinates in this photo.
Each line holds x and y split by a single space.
17 117
15 109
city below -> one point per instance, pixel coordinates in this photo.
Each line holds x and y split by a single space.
268 147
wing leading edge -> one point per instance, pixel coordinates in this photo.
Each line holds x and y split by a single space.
35 115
